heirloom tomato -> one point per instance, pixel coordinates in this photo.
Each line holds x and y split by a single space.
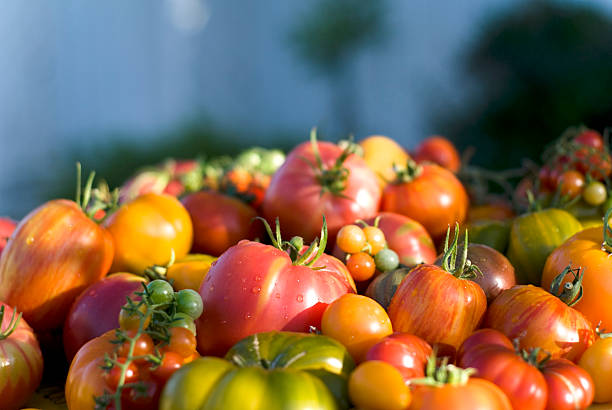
440 304
384 286
377 385
533 237
54 254
429 194
597 361
254 288
146 230
585 250
381 154
189 272
271 370
219 221
406 352
438 150
320 179
7 226
569 386
21 362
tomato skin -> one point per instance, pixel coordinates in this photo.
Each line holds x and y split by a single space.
380 154
21 362
219 221
483 337
146 230
435 199
571 183
254 288
584 250
297 198
440 151
406 352
53 255
7 226
590 138
569 386
436 306
189 272
597 361
542 320
96 310
477 393
376 385
384 286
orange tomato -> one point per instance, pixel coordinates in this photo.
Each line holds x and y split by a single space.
475 394
357 322
146 230
377 385
380 154
188 272
597 361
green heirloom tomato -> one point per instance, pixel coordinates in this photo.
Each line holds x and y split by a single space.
271 370
533 237
491 233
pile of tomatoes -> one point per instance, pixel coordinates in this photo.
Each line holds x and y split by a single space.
340 276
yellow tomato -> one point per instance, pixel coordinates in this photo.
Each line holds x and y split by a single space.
375 385
381 153
188 272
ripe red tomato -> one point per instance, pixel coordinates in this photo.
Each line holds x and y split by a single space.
219 221
54 254
408 353
7 226
96 310
21 361
434 197
301 191
483 337
569 386
589 138
438 150
171 362
255 288
571 183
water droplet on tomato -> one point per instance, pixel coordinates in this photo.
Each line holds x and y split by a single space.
277 295
300 298
224 322
256 289
257 278
30 240
211 288
248 316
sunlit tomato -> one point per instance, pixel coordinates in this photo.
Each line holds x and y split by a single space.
170 363
483 337
113 377
429 194
357 322
384 286
220 221
146 230
182 341
438 150
189 272
571 183
301 191
381 154
351 239
495 211
406 352
54 254
254 288
131 320
597 361
7 226
476 393
361 266
142 346
96 310
595 193
21 362
376 385
375 239
569 386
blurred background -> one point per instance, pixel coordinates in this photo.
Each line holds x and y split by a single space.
121 84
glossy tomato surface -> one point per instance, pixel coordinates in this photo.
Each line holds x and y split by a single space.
7 226
475 394
381 154
597 361
569 386
438 150
407 353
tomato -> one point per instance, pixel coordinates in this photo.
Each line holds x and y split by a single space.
301 370
54 254
594 163
533 237
495 234
595 193
569 386
357 322
384 286
254 287
429 194
483 337
143 346
189 272
112 378
182 341
146 230
496 211
302 191
597 361
219 221
7 226
440 151
438 304
571 183
376 385
97 309
406 352
361 266
381 154
351 239
589 138
540 319
497 272
144 182
21 361
131 320
171 362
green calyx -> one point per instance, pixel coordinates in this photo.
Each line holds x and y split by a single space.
464 269
571 292
607 232
531 355
410 172
443 374
295 245
92 200
155 272
334 178
12 325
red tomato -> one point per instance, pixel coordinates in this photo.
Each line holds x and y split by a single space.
434 197
113 377
477 393
483 337
21 362
406 352
520 380
569 386
219 221
97 309
54 254
7 226
589 138
571 183
171 362
438 150
255 288
301 192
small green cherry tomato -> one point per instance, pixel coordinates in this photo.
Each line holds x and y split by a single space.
386 260
184 320
190 302
160 292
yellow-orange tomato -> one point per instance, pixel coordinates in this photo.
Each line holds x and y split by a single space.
357 322
377 385
381 153
188 272
597 361
146 230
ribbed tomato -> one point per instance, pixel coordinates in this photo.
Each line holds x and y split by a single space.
406 352
21 362
569 386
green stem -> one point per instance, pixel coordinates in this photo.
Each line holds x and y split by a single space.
571 292
465 269
607 231
12 325
410 172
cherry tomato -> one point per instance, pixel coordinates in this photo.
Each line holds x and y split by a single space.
357 322
113 376
597 361
571 183
595 193
189 302
160 292
170 363
184 320
375 237
131 321
351 239
375 385
386 260
143 346
591 138
142 399
182 341
361 266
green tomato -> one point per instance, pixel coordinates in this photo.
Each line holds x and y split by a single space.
160 292
386 260
271 160
183 320
249 159
190 302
